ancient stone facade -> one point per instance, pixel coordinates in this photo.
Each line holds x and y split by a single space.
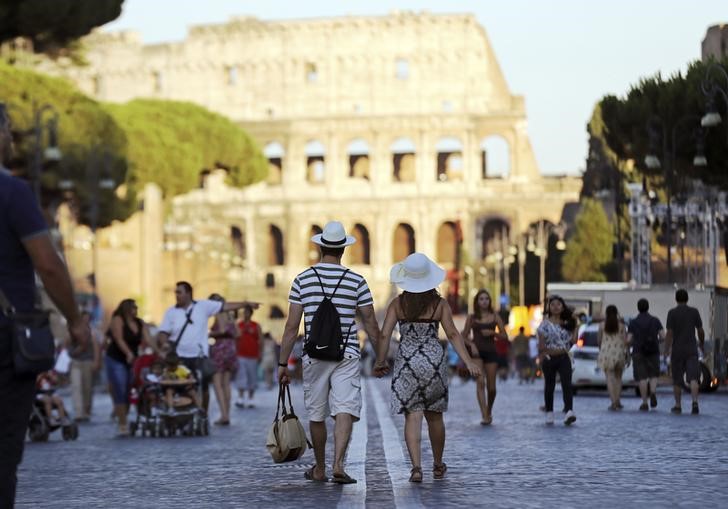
400 126
715 43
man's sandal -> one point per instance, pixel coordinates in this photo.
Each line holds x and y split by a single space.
415 474
438 471
343 479
308 475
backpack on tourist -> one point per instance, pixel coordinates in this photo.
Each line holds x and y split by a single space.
325 341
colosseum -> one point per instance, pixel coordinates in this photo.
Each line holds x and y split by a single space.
400 126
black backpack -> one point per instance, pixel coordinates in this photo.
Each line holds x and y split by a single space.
325 341
646 342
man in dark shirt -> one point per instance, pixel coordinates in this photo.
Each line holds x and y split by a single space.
24 246
682 322
645 332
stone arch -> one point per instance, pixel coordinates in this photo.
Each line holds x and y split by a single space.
276 253
404 156
495 157
447 243
403 243
358 152
359 253
275 153
449 159
315 162
237 241
314 255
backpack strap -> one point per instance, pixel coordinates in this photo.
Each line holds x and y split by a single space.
188 320
348 333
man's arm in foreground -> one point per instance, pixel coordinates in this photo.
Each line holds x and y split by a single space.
57 282
290 333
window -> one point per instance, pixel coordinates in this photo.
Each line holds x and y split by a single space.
311 72
496 157
232 75
401 69
158 81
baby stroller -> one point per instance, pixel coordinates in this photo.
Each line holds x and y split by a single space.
146 395
184 416
40 425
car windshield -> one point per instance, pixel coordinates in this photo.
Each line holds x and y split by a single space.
589 336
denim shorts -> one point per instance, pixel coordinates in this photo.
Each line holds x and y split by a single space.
119 375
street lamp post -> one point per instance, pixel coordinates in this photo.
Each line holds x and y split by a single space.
652 161
538 238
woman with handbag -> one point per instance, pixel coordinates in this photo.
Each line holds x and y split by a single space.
224 356
612 342
127 333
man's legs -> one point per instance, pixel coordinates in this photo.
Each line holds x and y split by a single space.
342 434
16 400
77 388
318 439
644 390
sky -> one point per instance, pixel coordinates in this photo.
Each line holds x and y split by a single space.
562 55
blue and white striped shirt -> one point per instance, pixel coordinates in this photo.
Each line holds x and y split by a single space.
353 293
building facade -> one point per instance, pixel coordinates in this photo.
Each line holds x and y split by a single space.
715 43
400 126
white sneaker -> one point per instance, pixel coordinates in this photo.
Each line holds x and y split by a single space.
240 403
570 418
549 417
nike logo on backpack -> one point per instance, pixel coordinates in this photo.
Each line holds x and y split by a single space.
321 347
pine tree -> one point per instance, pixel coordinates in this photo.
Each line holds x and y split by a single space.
590 247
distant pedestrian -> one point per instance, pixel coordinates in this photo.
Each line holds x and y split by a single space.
85 362
128 334
644 334
269 360
487 327
419 378
612 342
249 352
522 356
680 346
25 247
556 334
223 355
185 326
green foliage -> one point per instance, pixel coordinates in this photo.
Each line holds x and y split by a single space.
54 24
85 130
589 249
171 142
679 101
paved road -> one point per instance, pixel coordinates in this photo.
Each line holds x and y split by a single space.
630 459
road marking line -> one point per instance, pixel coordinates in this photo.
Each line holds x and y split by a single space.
355 495
397 466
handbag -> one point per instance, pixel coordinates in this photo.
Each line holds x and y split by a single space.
207 367
33 344
286 437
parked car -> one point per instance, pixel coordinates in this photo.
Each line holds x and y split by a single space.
586 372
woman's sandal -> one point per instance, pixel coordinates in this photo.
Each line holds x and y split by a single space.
415 474
438 471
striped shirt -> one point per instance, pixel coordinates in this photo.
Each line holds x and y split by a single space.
353 293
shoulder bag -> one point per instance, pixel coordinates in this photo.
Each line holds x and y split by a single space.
286 437
33 345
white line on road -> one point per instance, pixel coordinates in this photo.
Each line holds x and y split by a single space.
397 466
355 495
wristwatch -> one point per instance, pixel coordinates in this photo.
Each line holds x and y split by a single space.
282 365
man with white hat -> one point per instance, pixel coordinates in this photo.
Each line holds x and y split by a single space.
331 387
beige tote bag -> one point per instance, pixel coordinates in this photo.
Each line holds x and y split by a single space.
286 438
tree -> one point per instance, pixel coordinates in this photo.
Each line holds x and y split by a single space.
589 249
625 131
170 142
84 128
52 24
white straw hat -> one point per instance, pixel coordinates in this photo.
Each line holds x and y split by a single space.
416 274
333 235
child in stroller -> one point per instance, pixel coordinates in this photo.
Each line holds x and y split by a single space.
183 406
42 420
147 391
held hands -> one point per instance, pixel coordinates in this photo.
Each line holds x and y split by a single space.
380 369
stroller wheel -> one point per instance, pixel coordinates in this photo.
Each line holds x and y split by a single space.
133 428
74 431
38 429
66 433
205 427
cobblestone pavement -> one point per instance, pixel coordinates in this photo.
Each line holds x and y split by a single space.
630 459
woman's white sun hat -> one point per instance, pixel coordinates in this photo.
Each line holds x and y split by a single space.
333 235
416 274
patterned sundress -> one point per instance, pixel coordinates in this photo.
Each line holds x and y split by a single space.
613 351
419 380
